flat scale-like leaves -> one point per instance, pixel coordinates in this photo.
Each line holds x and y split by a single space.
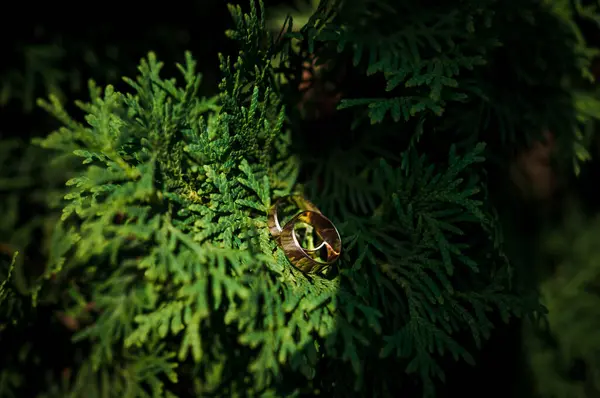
163 240
167 221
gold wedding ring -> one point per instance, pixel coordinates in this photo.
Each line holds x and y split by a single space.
306 260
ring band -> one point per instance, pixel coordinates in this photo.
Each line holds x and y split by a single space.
306 260
273 221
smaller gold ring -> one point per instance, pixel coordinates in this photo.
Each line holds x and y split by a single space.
306 260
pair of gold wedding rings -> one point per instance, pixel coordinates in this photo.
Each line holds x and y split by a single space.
307 260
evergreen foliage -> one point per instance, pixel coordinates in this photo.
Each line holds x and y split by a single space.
161 262
563 350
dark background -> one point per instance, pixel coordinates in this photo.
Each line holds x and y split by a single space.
168 28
